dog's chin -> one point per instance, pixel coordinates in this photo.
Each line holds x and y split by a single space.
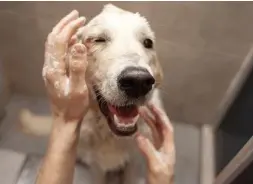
122 120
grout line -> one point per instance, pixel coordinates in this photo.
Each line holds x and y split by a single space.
22 168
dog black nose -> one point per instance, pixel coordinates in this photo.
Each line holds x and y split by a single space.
135 82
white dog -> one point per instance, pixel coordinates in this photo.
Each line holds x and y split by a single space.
123 73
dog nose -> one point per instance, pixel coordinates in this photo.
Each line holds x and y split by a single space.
135 82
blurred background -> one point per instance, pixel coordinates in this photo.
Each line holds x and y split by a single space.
201 46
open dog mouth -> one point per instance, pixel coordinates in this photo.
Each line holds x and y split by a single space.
122 120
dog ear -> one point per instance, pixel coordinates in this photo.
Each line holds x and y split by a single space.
157 69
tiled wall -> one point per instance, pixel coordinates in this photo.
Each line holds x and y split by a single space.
4 91
201 46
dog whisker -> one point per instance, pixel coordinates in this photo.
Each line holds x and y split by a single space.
163 91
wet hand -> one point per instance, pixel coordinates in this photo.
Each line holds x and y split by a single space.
64 69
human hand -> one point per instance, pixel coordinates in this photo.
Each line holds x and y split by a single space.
160 156
64 69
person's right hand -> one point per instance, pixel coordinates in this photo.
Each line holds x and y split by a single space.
160 157
64 70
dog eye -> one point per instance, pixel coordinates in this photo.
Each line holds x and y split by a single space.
100 40
148 43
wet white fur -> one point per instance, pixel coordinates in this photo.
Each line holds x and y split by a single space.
125 32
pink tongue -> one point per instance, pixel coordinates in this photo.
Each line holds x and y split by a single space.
124 112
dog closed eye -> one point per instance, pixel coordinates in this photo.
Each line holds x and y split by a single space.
100 40
99 37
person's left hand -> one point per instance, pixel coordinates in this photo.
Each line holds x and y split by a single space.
160 156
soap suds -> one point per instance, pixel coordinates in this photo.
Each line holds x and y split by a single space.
57 85
67 88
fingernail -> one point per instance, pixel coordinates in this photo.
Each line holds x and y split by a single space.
74 12
82 18
78 49
137 134
140 138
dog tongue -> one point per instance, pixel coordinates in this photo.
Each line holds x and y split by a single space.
124 112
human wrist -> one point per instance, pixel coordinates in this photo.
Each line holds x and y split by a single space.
65 118
64 133
161 177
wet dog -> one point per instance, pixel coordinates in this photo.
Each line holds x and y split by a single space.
123 74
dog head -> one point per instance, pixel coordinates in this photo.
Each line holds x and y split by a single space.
123 67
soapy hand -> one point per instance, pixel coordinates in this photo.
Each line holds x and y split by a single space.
160 156
64 69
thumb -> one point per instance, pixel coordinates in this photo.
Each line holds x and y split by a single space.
147 149
77 66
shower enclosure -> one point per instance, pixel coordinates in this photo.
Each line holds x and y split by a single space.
201 46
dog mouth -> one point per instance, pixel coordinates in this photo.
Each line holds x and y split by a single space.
122 120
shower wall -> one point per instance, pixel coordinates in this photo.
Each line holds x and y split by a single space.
4 91
201 46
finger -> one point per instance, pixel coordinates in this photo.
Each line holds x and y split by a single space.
56 48
147 150
60 44
64 21
52 37
70 29
81 31
73 40
77 68
166 127
153 126
161 117
78 37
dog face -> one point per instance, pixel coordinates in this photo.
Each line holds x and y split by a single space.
123 68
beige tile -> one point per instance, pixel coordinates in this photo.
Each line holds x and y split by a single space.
220 27
195 81
23 53
187 141
29 173
6 6
12 137
4 90
10 167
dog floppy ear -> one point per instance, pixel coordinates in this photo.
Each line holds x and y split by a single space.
157 70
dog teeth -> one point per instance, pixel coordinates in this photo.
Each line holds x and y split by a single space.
125 125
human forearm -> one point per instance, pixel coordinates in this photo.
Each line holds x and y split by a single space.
64 68
59 161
